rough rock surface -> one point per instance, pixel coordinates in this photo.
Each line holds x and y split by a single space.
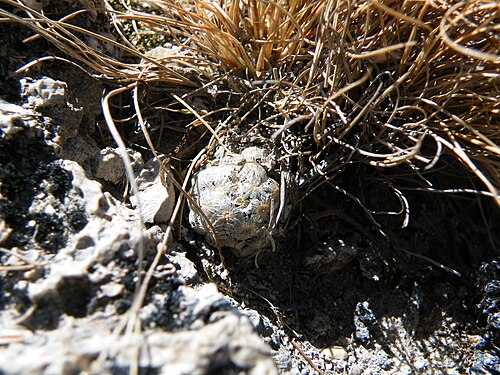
487 353
156 200
226 344
43 92
108 165
13 119
70 270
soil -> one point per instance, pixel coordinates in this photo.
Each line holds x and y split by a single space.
344 291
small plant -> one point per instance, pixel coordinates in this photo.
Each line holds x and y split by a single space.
236 194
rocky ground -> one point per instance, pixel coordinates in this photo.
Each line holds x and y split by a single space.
335 297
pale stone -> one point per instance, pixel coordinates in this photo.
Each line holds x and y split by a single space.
43 92
155 201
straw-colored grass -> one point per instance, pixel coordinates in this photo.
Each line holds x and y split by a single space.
396 82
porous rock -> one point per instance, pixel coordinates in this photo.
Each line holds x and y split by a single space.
186 268
487 354
156 201
43 92
14 119
226 345
110 228
36 200
65 117
108 164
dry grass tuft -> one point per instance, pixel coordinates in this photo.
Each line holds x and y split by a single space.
396 85
249 37
392 82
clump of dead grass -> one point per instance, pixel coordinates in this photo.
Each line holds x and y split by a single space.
395 82
392 82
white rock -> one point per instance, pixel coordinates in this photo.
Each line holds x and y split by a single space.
109 164
14 118
112 289
76 346
95 201
156 201
187 269
43 92
335 353
111 228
